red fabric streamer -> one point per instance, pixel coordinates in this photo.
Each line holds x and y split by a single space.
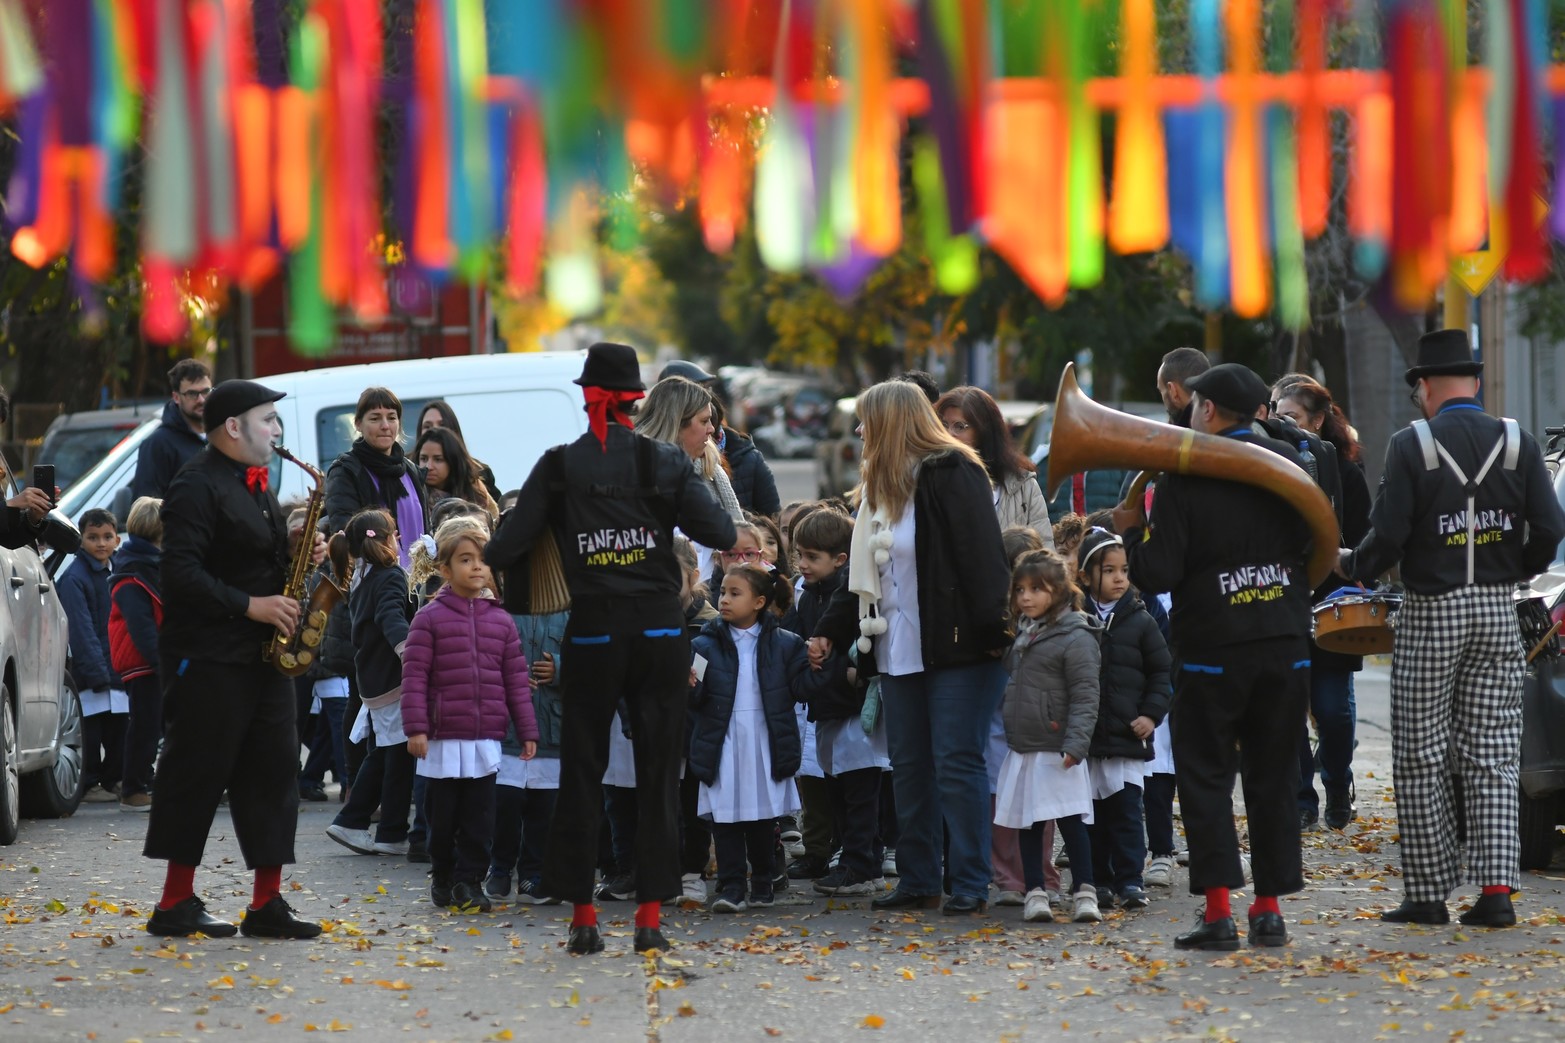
1528 258
601 402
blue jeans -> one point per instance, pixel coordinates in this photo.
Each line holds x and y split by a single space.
937 725
1331 704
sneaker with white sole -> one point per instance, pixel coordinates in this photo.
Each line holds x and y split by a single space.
359 840
1087 907
1037 908
1160 872
888 862
839 883
529 891
399 847
729 904
694 888
1010 898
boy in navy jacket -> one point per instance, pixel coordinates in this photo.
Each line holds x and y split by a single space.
84 593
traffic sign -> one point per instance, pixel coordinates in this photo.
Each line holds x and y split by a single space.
1475 270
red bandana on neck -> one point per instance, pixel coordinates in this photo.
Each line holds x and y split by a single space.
258 479
601 402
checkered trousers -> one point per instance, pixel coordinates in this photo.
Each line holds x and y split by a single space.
1456 710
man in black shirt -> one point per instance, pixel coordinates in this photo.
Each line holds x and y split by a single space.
1233 558
1467 508
229 716
611 500
180 435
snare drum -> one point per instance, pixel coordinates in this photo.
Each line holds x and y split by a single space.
1356 622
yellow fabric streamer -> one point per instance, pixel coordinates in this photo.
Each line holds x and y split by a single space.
1138 216
876 175
1250 271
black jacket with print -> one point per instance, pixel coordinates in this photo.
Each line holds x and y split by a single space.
1420 516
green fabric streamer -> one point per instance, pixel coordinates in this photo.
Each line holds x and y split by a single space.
122 111
1084 170
955 259
1021 34
1293 288
683 26
18 59
310 326
1502 93
472 52
624 230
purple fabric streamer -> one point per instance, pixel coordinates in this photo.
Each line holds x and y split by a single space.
847 276
68 66
1557 211
945 119
271 68
21 197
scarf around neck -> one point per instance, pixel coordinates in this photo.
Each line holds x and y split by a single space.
388 468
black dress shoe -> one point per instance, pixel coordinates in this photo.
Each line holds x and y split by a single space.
1339 808
807 868
188 917
1491 911
468 897
1211 936
276 920
650 939
1268 930
1308 821
585 941
900 899
958 905
1418 912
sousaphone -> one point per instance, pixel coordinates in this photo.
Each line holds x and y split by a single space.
1087 436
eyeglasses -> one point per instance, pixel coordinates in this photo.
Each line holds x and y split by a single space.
195 394
1412 396
959 427
741 555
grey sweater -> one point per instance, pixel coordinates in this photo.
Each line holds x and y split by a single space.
1051 703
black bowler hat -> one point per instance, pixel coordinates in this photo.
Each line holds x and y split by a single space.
235 398
689 370
1234 387
613 367
1443 353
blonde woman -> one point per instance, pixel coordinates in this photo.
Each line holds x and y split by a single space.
680 413
927 594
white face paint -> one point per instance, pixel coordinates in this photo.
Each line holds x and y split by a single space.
254 431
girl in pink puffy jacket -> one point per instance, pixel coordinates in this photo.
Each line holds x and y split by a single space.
463 678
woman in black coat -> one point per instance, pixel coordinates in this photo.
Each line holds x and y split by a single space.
377 473
927 592
1310 406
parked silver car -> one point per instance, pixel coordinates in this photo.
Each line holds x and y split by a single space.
40 712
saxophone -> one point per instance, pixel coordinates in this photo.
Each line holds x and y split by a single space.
293 653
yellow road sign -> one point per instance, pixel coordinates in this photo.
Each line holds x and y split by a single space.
1474 271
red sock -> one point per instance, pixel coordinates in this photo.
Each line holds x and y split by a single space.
647 915
1217 904
1265 904
1497 889
584 915
178 885
268 885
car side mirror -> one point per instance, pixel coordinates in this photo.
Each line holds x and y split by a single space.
59 533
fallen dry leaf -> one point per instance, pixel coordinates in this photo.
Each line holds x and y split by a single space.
873 1021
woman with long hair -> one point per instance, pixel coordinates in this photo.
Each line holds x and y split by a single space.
1307 403
927 597
438 413
680 413
448 470
973 418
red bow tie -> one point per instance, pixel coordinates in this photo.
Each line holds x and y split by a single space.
258 479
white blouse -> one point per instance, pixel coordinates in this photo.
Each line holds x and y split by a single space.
899 650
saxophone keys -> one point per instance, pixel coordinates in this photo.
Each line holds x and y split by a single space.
287 660
310 637
304 659
317 619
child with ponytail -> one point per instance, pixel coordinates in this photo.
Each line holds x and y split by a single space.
744 747
463 679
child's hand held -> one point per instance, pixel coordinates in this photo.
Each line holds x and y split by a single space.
529 750
418 746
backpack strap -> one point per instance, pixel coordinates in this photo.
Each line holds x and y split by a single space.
1513 443
1470 486
1426 445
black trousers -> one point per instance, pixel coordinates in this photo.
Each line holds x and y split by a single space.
695 843
143 734
855 805
385 780
226 726
1119 844
1242 714
521 830
636 650
819 825
739 843
103 748
461 826
1158 804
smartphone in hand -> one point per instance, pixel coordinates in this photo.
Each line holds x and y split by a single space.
43 478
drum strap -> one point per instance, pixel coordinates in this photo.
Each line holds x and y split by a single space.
1510 441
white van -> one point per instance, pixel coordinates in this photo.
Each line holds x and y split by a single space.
512 408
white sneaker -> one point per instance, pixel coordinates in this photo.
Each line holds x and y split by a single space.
888 862
1244 864
1087 907
399 848
1010 898
694 887
360 840
1037 909
1160 873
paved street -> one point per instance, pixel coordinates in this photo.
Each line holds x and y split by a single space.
75 963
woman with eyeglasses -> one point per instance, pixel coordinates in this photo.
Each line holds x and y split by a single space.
973 418
927 597
679 412
1308 404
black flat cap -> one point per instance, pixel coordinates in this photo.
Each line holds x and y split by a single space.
235 398
1234 387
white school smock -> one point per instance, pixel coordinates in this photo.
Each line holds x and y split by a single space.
745 790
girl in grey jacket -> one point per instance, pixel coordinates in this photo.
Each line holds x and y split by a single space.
1051 706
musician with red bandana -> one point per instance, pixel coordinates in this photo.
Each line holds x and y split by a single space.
229 717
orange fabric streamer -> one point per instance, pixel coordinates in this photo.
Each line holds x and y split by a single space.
94 224
432 246
1314 139
1250 271
722 190
1469 171
1026 191
1138 216
875 167
295 119
253 159
1369 209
